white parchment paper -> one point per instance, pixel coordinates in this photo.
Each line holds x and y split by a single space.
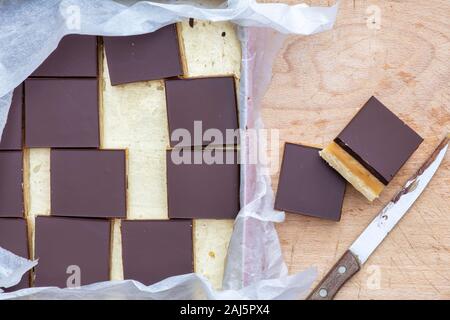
255 269
12 268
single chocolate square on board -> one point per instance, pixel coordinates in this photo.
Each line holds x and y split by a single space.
307 185
88 183
61 113
11 181
14 238
12 134
149 56
155 250
199 188
75 56
72 251
379 140
211 102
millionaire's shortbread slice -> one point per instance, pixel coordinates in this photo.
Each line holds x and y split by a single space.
144 57
61 113
72 252
372 148
202 112
307 185
154 250
88 183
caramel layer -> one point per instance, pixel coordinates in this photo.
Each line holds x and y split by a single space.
352 171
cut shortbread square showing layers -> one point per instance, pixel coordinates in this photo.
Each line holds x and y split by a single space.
372 148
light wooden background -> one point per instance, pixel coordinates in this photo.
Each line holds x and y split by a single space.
318 84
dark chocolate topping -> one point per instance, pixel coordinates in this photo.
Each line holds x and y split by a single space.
379 140
143 57
11 179
307 185
88 183
75 56
12 134
203 191
61 113
209 100
155 250
65 244
14 238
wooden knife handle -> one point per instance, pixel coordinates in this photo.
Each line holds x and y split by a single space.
342 271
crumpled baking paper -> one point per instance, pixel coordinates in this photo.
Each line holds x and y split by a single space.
255 269
12 268
255 240
185 287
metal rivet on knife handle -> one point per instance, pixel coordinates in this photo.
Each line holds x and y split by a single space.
323 293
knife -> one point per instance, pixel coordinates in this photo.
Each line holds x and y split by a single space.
358 253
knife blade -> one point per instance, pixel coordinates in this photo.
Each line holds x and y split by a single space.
358 253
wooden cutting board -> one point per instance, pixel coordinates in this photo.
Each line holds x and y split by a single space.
319 82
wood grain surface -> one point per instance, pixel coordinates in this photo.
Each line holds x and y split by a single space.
398 51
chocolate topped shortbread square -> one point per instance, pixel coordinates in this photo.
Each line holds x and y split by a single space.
75 56
88 183
372 148
211 102
72 251
61 113
11 180
155 250
307 185
143 57
200 188
11 139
